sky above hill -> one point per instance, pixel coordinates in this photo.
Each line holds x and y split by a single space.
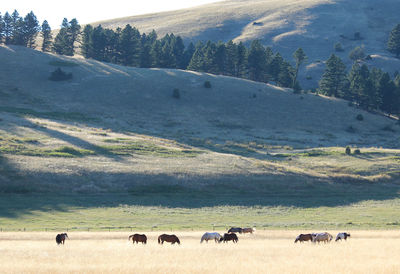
91 11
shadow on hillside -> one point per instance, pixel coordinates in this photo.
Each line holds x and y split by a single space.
50 191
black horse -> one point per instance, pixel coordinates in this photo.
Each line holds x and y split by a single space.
235 230
229 237
60 238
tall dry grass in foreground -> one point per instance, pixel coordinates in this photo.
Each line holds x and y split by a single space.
264 252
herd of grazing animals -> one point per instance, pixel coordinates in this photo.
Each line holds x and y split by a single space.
321 237
230 236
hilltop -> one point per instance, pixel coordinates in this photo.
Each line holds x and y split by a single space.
314 25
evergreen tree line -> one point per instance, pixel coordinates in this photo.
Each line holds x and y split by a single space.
131 48
371 89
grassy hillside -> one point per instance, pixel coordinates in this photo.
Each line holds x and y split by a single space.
314 25
113 141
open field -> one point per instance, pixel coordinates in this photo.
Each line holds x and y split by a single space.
263 252
191 211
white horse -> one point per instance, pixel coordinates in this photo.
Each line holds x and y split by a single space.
322 237
342 236
211 236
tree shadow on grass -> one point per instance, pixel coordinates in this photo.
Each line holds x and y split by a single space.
66 192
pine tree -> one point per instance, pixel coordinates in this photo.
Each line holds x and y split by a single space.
1 28
99 43
145 55
8 29
394 41
220 58
30 29
129 46
286 75
231 59
362 87
47 36
73 32
17 37
187 55
275 66
257 62
209 58
62 43
333 80
300 57
110 51
242 64
156 54
388 92
178 50
197 61
87 42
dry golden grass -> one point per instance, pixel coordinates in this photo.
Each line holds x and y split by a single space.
263 252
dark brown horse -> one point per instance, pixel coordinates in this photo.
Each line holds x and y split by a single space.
235 229
303 238
60 238
138 238
168 238
229 237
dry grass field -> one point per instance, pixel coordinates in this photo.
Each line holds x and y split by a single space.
262 252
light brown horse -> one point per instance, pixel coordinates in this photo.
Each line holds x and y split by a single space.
248 230
168 238
322 237
138 238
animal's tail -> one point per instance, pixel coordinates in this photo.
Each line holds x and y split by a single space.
159 239
131 236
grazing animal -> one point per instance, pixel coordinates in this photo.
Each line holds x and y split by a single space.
322 237
303 238
248 230
341 236
138 238
211 236
60 238
229 237
235 229
168 238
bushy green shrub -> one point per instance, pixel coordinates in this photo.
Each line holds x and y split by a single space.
357 54
60 75
348 150
207 84
357 151
360 117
